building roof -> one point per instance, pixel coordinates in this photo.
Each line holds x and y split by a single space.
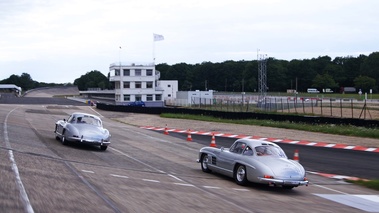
10 86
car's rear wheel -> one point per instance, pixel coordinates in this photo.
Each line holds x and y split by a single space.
103 147
204 163
240 175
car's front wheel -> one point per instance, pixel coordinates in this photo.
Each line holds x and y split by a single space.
63 138
240 175
204 163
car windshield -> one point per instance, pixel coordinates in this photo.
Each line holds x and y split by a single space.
88 120
269 151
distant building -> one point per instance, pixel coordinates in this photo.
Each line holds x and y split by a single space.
190 98
10 88
140 82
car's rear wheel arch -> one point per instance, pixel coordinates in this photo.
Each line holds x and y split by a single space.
240 174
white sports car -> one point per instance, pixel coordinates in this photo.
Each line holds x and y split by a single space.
255 161
82 128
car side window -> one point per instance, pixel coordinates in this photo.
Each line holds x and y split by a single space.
71 119
248 151
238 148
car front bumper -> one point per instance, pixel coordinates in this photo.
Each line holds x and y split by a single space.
284 182
88 141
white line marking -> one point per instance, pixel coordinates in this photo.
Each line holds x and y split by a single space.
373 198
135 159
149 180
120 176
184 184
212 187
87 171
175 177
24 196
100 115
330 145
243 190
324 187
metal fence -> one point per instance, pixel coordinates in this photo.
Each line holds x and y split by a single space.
328 107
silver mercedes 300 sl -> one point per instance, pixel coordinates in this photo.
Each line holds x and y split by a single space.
250 160
82 128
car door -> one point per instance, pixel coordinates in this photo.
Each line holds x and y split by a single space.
227 158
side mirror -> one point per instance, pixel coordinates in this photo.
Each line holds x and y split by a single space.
222 149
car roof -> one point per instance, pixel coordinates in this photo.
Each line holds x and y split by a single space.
76 114
256 142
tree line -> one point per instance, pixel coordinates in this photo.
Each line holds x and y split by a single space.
26 82
361 72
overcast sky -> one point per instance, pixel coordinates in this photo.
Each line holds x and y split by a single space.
58 41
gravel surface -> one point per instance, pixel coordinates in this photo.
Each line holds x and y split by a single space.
156 121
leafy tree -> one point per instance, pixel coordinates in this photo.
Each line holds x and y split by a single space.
324 81
24 81
365 83
92 79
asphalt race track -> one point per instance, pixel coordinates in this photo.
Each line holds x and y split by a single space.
143 171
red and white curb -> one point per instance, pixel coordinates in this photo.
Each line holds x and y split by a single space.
276 140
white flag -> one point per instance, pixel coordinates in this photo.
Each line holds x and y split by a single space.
158 37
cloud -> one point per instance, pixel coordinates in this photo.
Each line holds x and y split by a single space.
74 37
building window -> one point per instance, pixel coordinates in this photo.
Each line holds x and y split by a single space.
137 72
169 85
138 98
126 84
126 97
138 84
117 85
149 72
117 97
158 97
149 97
169 95
149 84
126 72
117 72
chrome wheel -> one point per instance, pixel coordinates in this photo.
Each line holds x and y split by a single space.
63 138
204 163
240 175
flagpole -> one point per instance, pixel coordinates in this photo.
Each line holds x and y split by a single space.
156 37
153 51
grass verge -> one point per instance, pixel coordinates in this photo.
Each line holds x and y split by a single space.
346 130
372 184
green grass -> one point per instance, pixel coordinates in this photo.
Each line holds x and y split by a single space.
372 184
346 130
